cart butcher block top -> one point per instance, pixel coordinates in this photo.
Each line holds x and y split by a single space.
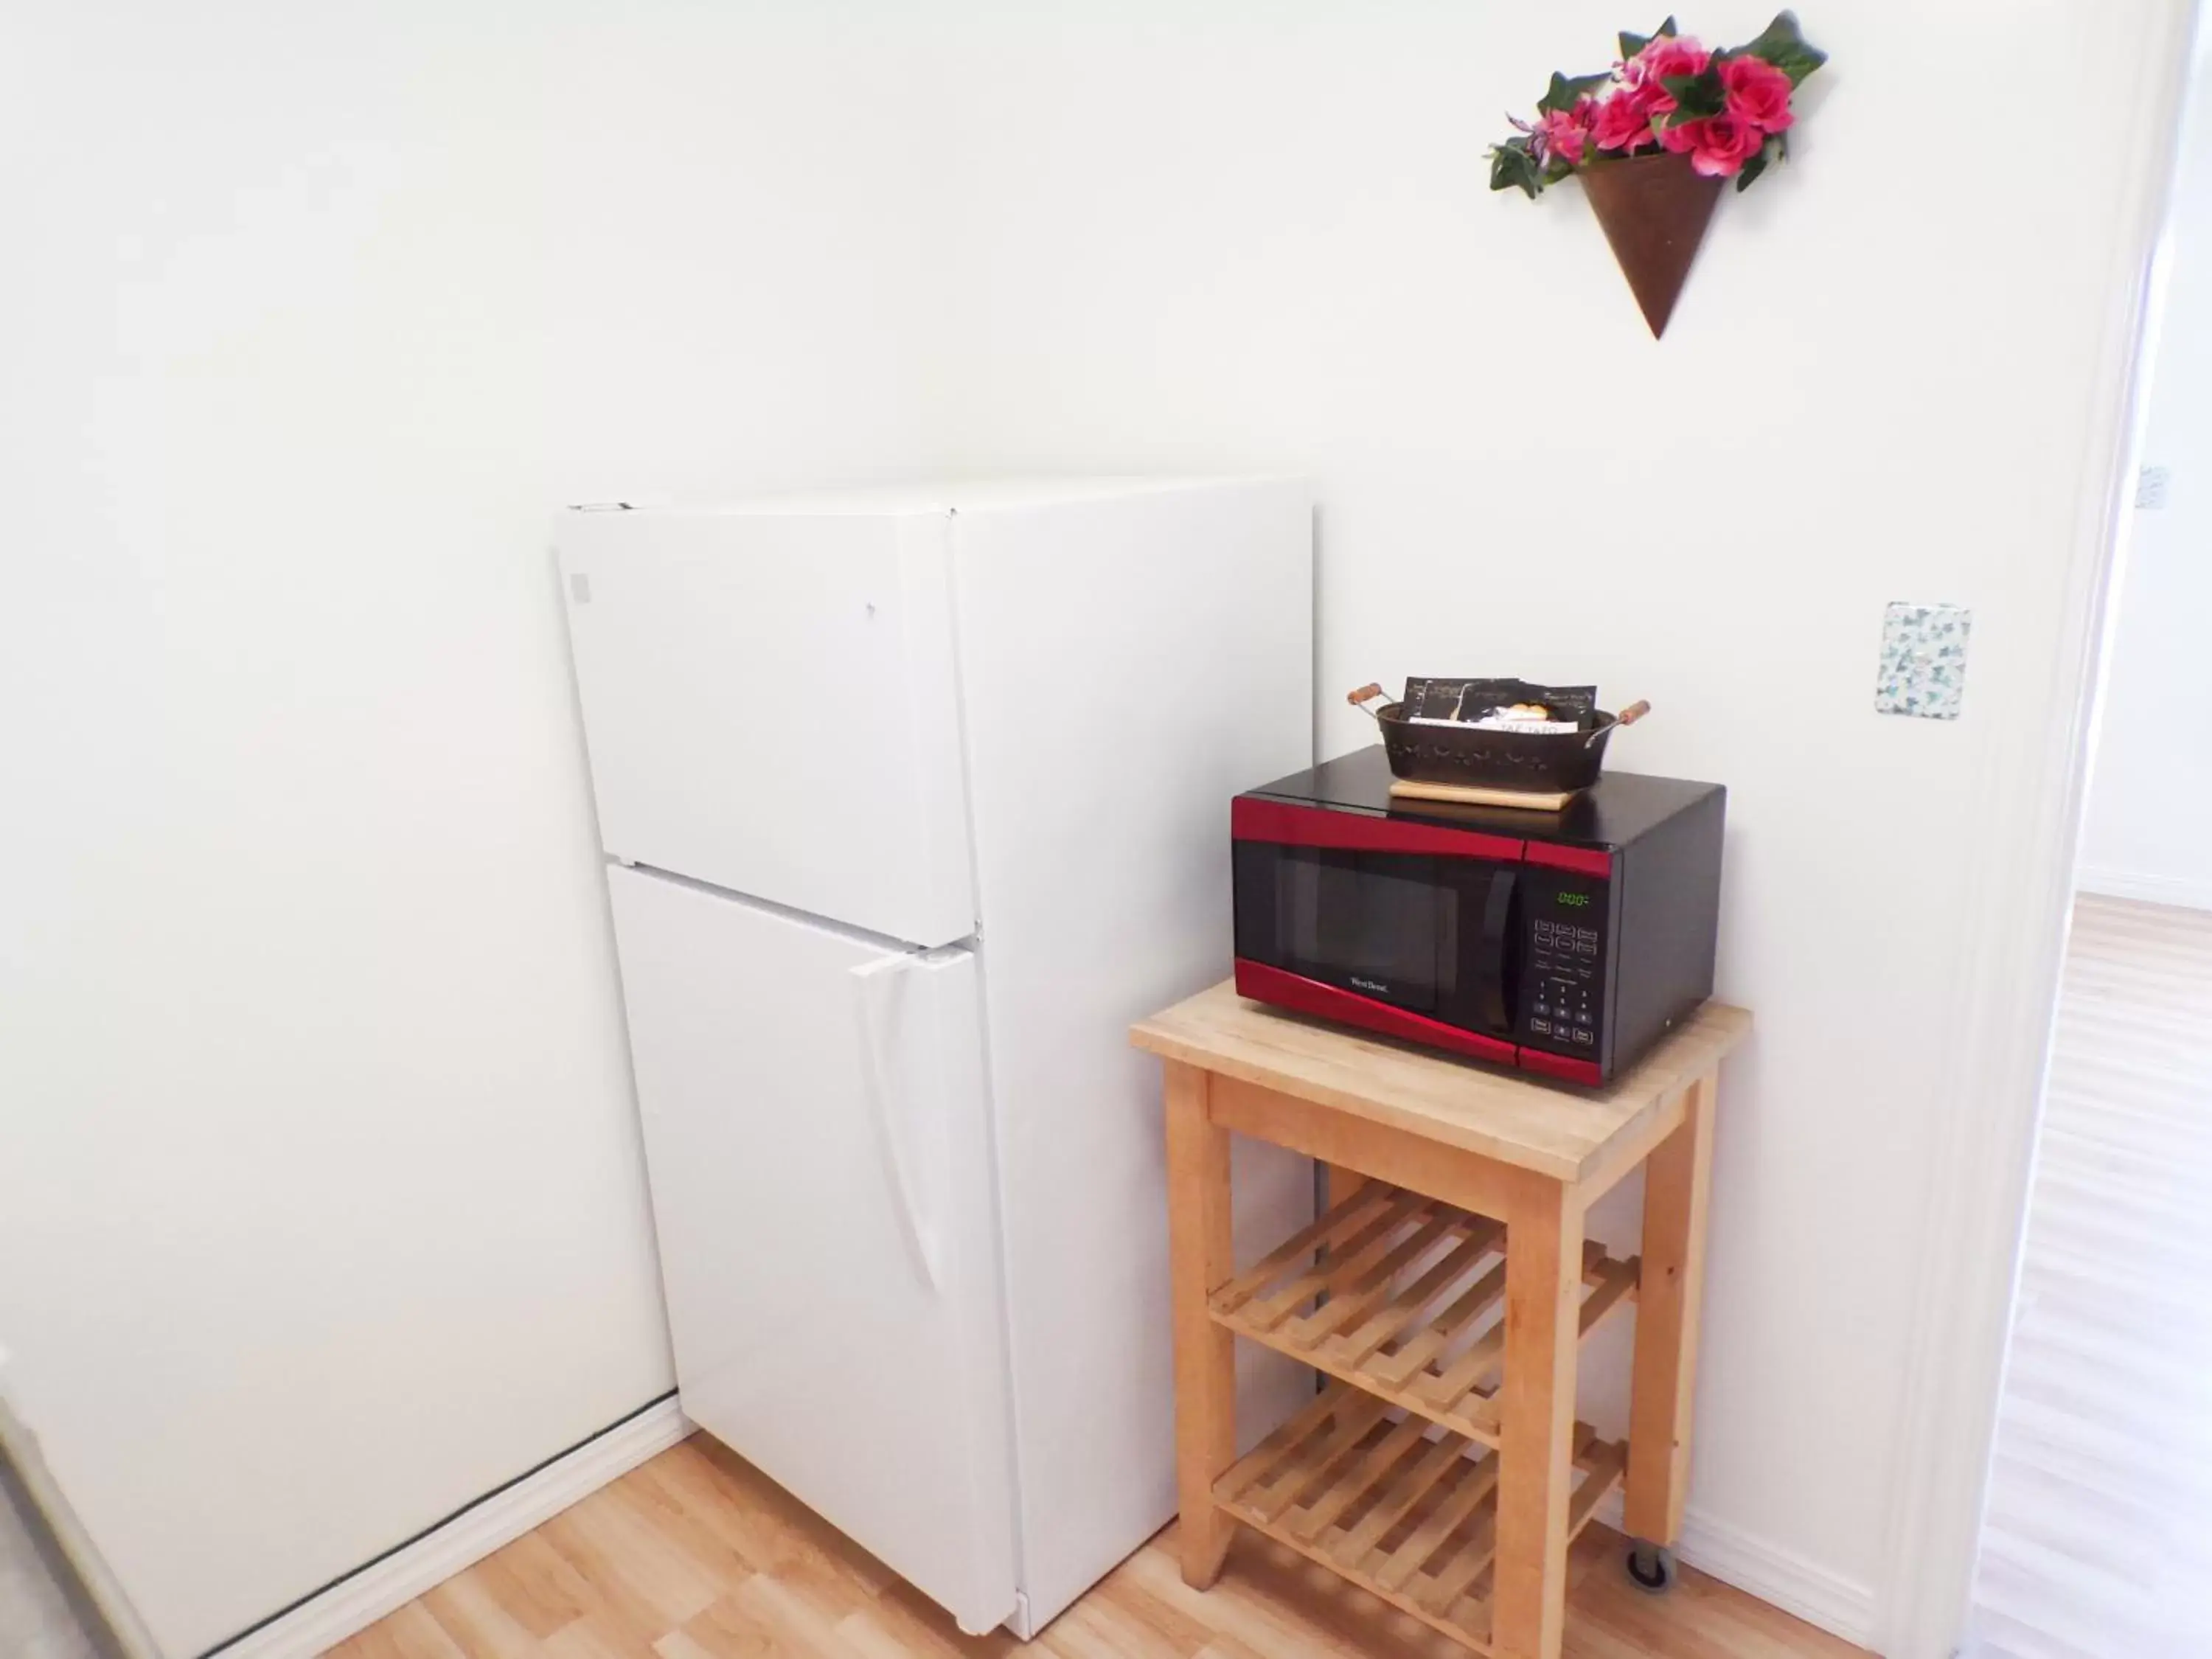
1562 1132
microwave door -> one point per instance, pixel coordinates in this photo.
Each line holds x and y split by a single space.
1431 933
1381 925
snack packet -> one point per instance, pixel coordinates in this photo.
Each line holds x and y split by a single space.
1500 705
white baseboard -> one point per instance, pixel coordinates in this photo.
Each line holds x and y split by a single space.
2193 894
353 1604
1776 1575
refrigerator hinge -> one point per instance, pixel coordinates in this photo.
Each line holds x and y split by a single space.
601 507
1019 1623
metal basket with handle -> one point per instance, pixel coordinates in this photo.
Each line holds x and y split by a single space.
1478 757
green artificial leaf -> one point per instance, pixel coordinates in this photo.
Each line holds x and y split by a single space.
1565 93
1633 44
1511 166
1696 96
1783 45
1771 152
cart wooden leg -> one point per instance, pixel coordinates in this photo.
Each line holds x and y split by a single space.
1201 1258
1342 1183
1543 1319
1677 1177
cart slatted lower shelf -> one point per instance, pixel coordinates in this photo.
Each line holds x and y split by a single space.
1408 1290
1400 1508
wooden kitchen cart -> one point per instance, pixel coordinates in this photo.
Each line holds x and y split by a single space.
1442 1468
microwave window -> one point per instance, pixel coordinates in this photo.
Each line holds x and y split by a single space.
1379 924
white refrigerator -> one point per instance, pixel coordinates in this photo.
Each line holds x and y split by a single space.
913 801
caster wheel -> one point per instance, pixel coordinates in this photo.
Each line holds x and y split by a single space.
1650 1567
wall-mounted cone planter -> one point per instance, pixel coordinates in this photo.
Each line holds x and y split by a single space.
1654 209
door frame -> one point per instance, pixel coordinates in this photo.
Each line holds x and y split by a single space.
1976 1213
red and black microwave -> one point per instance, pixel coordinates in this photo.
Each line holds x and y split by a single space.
1564 943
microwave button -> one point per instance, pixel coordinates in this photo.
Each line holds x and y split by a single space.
1583 1034
1541 1027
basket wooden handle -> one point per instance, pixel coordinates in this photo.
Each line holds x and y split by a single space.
1358 699
1628 716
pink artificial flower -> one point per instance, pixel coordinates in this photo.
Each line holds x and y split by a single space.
1758 93
1624 119
1682 137
1566 133
1718 147
1663 55
1666 56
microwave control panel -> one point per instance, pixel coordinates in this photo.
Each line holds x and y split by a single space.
1562 990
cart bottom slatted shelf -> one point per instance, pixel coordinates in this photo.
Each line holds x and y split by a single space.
1401 1508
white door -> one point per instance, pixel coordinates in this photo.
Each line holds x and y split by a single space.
817 1140
771 702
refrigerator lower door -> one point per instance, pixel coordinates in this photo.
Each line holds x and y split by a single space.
817 1137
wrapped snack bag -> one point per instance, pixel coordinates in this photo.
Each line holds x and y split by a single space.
1500 705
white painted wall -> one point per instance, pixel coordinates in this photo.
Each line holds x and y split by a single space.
1254 233
321 1210
2148 834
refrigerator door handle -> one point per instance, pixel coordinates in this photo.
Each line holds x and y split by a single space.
875 988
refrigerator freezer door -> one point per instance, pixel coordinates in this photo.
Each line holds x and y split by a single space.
772 707
817 1140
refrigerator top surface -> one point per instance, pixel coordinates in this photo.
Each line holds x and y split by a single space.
947 495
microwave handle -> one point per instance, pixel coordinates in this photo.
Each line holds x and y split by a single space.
1492 1005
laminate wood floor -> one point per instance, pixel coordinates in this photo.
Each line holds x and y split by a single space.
697 1556
2098 1541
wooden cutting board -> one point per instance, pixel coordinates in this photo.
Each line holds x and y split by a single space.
1469 795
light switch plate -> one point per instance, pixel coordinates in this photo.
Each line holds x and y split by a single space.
1924 660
